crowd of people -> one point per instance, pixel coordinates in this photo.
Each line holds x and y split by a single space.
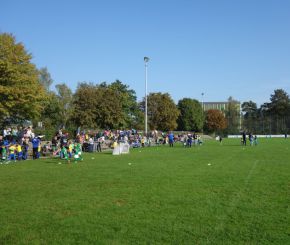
253 139
18 144
15 142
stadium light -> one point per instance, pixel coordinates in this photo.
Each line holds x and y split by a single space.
146 60
202 111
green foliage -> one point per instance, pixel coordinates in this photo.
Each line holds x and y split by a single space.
270 118
233 116
21 94
162 112
280 103
191 115
98 107
51 115
250 110
65 100
128 100
45 78
47 132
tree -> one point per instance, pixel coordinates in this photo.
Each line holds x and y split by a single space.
65 98
215 121
45 78
277 112
162 111
51 115
109 113
280 103
21 94
128 100
233 115
97 106
250 110
191 116
84 105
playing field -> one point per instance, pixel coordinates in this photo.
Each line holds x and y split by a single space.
213 194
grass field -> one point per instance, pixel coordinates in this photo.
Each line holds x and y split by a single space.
157 195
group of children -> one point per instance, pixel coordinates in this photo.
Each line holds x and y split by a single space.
13 152
69 151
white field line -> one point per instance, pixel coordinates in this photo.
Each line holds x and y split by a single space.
236 199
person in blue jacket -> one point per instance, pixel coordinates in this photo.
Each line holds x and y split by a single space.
35 145
171 139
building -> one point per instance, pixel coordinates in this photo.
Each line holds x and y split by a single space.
222 106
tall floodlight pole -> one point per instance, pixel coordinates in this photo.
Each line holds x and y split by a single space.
202 94
240 116
146 60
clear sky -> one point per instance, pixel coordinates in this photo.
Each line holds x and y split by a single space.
238 48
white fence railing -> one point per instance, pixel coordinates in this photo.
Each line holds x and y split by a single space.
259 136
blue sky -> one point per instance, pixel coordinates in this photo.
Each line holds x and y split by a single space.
238 48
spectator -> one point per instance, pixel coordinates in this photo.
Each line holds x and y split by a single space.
35 145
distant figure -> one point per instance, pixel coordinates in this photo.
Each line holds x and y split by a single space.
286 135
251 139
171 139
220 139
35 145
255 140
244 138
189 141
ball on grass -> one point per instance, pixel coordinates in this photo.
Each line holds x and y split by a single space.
209 164
129 163
59 162
93 158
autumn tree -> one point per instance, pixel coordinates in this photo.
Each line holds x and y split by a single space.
191 116
21 93
215 121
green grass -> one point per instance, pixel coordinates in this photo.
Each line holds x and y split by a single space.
166 196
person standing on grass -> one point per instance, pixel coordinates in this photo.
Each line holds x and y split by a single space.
25 150
171 139
189 141
19 152
3 153
255 140
35 145
251 139
12 149
244 138
100 141
221 140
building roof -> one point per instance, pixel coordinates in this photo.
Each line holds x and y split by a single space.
221 102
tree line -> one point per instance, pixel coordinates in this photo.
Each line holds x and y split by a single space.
26 95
